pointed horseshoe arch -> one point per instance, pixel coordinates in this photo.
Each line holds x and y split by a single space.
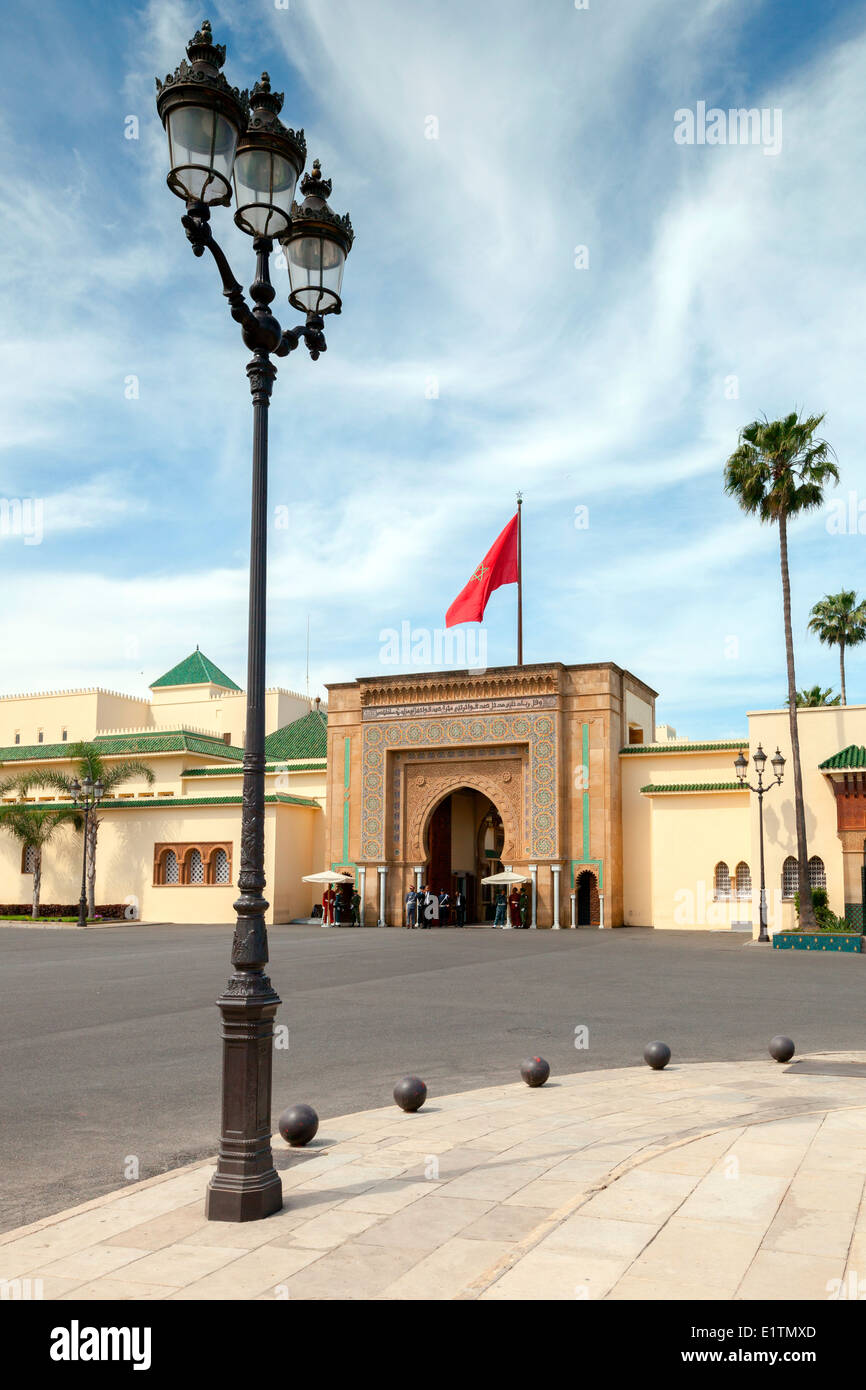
495 788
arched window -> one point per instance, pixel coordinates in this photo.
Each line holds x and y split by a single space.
817 872
744 881
219 867
28 860
722 882
169 867
790 882
194 867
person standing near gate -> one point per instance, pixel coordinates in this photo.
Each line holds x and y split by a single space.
524 907
501 906
411 907
444 909
428 908
514 907
460 907
356 908
328 898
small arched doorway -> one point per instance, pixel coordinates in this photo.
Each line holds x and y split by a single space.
586 888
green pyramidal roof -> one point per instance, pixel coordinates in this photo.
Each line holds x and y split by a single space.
306 737
195 669
852 756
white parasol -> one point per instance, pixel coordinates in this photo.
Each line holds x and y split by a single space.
328 876
506 877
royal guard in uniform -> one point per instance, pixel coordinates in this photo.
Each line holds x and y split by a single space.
356 908
500 908
514 907
444 909
524 907
460 907
328 899
411 907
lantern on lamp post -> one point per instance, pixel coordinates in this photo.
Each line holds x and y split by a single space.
741 766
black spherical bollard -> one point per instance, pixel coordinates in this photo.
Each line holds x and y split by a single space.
410 1093
298 1125
781 1048
657 1055
535 1071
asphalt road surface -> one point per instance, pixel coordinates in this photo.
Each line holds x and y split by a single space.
109 1044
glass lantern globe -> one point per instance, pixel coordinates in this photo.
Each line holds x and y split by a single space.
316 248
267 165
203 117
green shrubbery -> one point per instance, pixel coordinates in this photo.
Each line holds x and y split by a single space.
825 919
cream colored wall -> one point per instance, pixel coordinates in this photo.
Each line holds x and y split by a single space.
690 834
672 843
295 833
823 731
640 712
125 856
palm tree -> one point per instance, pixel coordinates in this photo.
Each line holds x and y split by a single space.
815 696
33 826
778 470
840 621
89 763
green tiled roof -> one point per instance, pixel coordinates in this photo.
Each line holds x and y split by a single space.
852 756
693 787
306 737
196 669
120 745
269 767
686 747
160 802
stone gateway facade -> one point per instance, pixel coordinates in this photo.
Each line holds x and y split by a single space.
444 778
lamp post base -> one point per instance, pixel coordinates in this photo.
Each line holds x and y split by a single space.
246 1186
243 1199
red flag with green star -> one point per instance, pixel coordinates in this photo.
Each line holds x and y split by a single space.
499 566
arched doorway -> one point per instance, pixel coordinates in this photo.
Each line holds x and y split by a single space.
463 844
586 887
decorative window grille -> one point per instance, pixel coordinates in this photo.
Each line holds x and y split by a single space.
744 881
195 868
722 882
29 862
817 873
170 873
220 866
789 877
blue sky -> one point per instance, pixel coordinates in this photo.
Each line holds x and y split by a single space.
607 387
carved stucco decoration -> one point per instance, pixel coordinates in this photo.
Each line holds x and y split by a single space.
424 793
537 731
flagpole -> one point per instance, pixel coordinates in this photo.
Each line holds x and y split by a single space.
519 580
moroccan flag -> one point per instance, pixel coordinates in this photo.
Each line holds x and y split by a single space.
499 566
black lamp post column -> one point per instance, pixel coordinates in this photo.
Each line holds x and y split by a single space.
741 765
219 137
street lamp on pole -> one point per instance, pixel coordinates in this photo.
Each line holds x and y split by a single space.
219 138
742 767
86 796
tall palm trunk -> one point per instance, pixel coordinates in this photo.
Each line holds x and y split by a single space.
842 668
807 916
92 831
37 881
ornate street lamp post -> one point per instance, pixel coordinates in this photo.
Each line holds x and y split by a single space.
86 796
742 767
218 136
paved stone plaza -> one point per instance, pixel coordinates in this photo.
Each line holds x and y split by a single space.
712 1181
109 1040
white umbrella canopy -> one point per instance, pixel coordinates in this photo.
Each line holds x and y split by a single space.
507 876
328 876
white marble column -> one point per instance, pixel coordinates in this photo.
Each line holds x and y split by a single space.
417 871
601 911
533 870
362 889
382 871
556 869
573 910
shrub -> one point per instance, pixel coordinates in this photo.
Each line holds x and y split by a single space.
825 919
